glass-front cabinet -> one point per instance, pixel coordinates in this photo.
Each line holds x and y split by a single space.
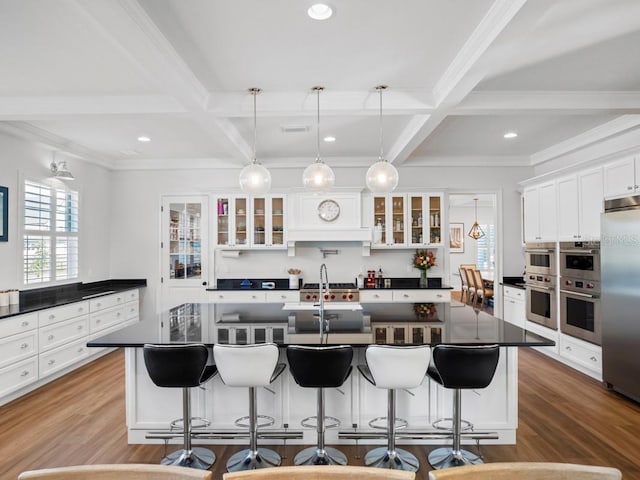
407 220
184 240
389 221
250 222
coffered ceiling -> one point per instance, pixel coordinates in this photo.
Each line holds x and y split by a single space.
90 77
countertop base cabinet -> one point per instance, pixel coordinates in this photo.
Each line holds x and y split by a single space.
150 408
36 348
514 306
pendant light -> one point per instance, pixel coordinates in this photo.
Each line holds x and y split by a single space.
382 176
254 178
318 176
476 232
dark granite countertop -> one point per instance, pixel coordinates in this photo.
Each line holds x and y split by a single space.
399 283
517 282
48 297
455 323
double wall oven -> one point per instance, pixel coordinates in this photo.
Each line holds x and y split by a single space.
540 283
580 291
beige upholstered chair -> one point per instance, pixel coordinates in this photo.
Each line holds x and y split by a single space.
527 471
117 472
471 293
321 472
482 292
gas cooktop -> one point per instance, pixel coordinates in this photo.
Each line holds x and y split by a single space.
337 292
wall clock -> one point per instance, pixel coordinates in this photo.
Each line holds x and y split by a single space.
328 210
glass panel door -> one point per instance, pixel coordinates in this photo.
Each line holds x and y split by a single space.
435 220
259 222
397 219
185 241
380 220
416 216
277 221
223 221
240 216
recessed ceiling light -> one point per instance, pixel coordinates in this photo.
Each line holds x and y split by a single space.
329 138
320 11
510 135
144 138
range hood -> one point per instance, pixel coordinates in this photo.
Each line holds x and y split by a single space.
307 224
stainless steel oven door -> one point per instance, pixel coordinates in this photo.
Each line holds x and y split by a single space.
541 306
580 316
583 264
540 261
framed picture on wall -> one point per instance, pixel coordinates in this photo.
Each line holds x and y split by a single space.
456 238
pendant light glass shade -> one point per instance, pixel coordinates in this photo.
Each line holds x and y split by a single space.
476 232
254 178
382 176
318 176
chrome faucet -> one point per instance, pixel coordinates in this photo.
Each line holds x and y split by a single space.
322 285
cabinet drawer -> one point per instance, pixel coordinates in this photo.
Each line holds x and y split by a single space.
131 310
373 296
131 295
239 297
18 347
513 292
102 320
582 353
282 296
108 301
58 314
423 296
63 332
16 376
62 357
19 324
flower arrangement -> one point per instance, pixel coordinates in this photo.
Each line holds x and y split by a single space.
425 309
424 259
294 271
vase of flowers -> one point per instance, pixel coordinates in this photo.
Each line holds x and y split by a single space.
425 311
423 260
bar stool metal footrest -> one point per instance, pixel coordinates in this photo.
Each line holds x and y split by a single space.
399 423
465 425
333 422
268 421
196 422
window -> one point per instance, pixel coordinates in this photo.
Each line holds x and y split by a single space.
50 233
485 255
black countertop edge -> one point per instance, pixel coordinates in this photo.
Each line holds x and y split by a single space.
517 282
49 297
397 283
548 343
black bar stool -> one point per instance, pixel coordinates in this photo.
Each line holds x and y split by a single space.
182 366
250 366
460 367
320 367
393 367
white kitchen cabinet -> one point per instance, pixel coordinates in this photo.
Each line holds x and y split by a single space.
622 177
184 240
268 222
514 306
425 295
583 354
540 217
580 200
407 220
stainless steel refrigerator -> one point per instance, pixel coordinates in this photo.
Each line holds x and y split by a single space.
620 256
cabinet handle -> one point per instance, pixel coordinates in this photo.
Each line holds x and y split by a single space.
51 337
80 350
568 348
25 324
118 299
23 346
80 309
593 359
24 373
221 296
253 296
132 309
439 295
99 320
98 304
630 187
406 295
80 327
284 297
52 361
375 295
636 186
51 317
118 314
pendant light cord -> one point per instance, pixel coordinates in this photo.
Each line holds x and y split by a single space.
254 91
380 89
318 90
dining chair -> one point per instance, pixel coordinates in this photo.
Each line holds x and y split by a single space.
131 471
527 471
321 472
482 291
464 286
471 292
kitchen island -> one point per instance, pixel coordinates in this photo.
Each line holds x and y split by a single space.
492 409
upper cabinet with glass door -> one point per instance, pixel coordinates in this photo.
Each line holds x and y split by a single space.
268 222
389 221
250 222
425 218
183 247
407 220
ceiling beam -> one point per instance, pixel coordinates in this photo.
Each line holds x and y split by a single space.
460 78
128 27
540 102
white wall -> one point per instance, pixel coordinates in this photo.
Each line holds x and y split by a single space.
19 159
135 232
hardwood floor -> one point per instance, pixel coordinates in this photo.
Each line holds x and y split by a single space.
80 419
